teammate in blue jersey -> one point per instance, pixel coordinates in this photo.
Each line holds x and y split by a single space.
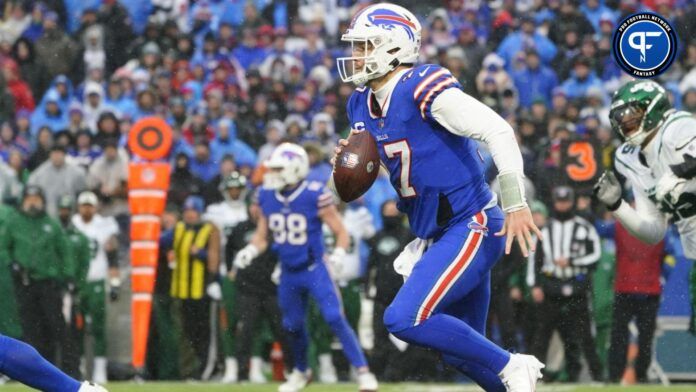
427 130
294 210
21 362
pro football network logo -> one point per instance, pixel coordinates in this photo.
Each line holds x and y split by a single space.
645 45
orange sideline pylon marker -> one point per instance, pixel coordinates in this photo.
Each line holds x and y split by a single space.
148 181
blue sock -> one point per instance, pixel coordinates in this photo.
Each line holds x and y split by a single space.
351 347
299 341
454 337
21 362
484 377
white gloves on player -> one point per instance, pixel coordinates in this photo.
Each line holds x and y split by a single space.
608 190
335 260
669 189
245 256
214 291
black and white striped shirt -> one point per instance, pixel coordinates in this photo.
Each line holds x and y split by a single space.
575 239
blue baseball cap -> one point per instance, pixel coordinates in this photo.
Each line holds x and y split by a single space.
194 203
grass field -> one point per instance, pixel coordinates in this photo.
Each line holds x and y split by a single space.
200 387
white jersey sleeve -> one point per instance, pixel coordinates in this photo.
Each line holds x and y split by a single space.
678 139
464 115
646 222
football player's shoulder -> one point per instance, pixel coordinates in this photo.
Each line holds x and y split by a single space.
424 74
315 186
264 196
106 222
319 194
679 130
626 158
427 81
354 98
315 189
215 208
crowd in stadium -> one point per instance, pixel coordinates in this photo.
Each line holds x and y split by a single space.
234 79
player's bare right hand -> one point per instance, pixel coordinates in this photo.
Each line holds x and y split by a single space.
519 226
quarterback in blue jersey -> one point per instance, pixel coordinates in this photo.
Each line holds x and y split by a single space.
294 209
427 130
21 362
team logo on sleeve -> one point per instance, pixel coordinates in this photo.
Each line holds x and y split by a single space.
645 45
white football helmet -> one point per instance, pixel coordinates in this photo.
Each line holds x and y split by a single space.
288 165
382 36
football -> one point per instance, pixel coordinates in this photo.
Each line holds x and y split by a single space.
356 166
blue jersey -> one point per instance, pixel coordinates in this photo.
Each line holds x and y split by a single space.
294 221
439 176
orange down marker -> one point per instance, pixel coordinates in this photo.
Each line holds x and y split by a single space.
150 139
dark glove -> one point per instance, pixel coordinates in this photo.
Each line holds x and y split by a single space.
201 254
114 289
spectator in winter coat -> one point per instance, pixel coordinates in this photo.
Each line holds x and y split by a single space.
582 79
535 80
107 129
226 143
64 87
33 71
84 152
93 54
248 52
493 69
526 37
49 114
34 28
118 32
93 105
23 98
54 48
7 106
569 19
44 142
202 165
107 178
10 140
596 10
275 132
183 182
16 21
58 177
116 98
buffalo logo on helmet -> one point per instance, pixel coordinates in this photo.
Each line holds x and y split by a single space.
388 19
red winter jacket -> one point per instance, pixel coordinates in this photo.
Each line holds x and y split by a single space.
638 265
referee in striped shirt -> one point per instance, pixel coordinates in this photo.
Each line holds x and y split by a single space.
560 276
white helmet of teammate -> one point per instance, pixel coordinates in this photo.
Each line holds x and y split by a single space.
288 165
382 36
